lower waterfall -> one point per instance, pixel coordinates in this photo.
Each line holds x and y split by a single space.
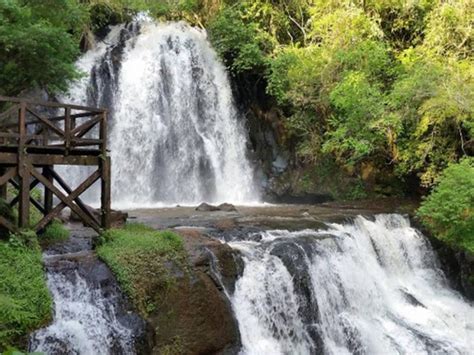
366 287
84 321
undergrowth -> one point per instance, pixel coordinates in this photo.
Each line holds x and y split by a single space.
142 259
54 232
25 302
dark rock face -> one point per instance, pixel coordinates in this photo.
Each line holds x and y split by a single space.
196 316
457 265
294 255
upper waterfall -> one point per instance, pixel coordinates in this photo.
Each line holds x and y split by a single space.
175 134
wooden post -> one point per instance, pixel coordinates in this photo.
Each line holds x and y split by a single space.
23 171
67 129
105 170
48 194
3 188
105 192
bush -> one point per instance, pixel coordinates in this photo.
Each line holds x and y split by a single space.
141 257
25 302
449 210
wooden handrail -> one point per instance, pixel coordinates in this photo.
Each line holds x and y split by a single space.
51 104
69 136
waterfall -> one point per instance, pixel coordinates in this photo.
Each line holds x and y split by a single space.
175 134
366 287
84 321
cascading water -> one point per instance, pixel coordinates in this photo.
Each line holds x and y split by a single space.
369 287
175 135
84 321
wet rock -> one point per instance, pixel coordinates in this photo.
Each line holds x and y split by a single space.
196 316
205 207
227 207
294 256
117 218
412 299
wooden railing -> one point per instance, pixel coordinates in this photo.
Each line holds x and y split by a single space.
35 136
51 126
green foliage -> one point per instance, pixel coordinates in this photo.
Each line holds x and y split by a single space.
54 232
449 210
36 49
25 302
384 81
141 258
237 42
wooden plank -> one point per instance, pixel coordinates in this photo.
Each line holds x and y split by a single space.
50 104
105 192
66 188
67 200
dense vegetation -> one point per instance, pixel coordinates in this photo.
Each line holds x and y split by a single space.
25 302
141 258
449 210
378 90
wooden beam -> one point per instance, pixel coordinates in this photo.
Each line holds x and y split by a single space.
78 200
105 192
7 176
15 200
50 159
7 224
23 172
47 123
67 200
50 104
81 130
48 195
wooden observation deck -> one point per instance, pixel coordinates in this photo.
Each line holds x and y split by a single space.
36 136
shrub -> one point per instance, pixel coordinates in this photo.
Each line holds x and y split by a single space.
449 210
25 302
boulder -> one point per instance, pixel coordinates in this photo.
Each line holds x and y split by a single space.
195 317
205 207
226 207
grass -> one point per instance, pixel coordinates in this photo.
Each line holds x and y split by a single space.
142 258
54 232
25 302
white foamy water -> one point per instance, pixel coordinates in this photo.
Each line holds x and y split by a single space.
84 321
175 134
368 287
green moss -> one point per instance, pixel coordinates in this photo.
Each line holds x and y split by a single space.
142 260
25 302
